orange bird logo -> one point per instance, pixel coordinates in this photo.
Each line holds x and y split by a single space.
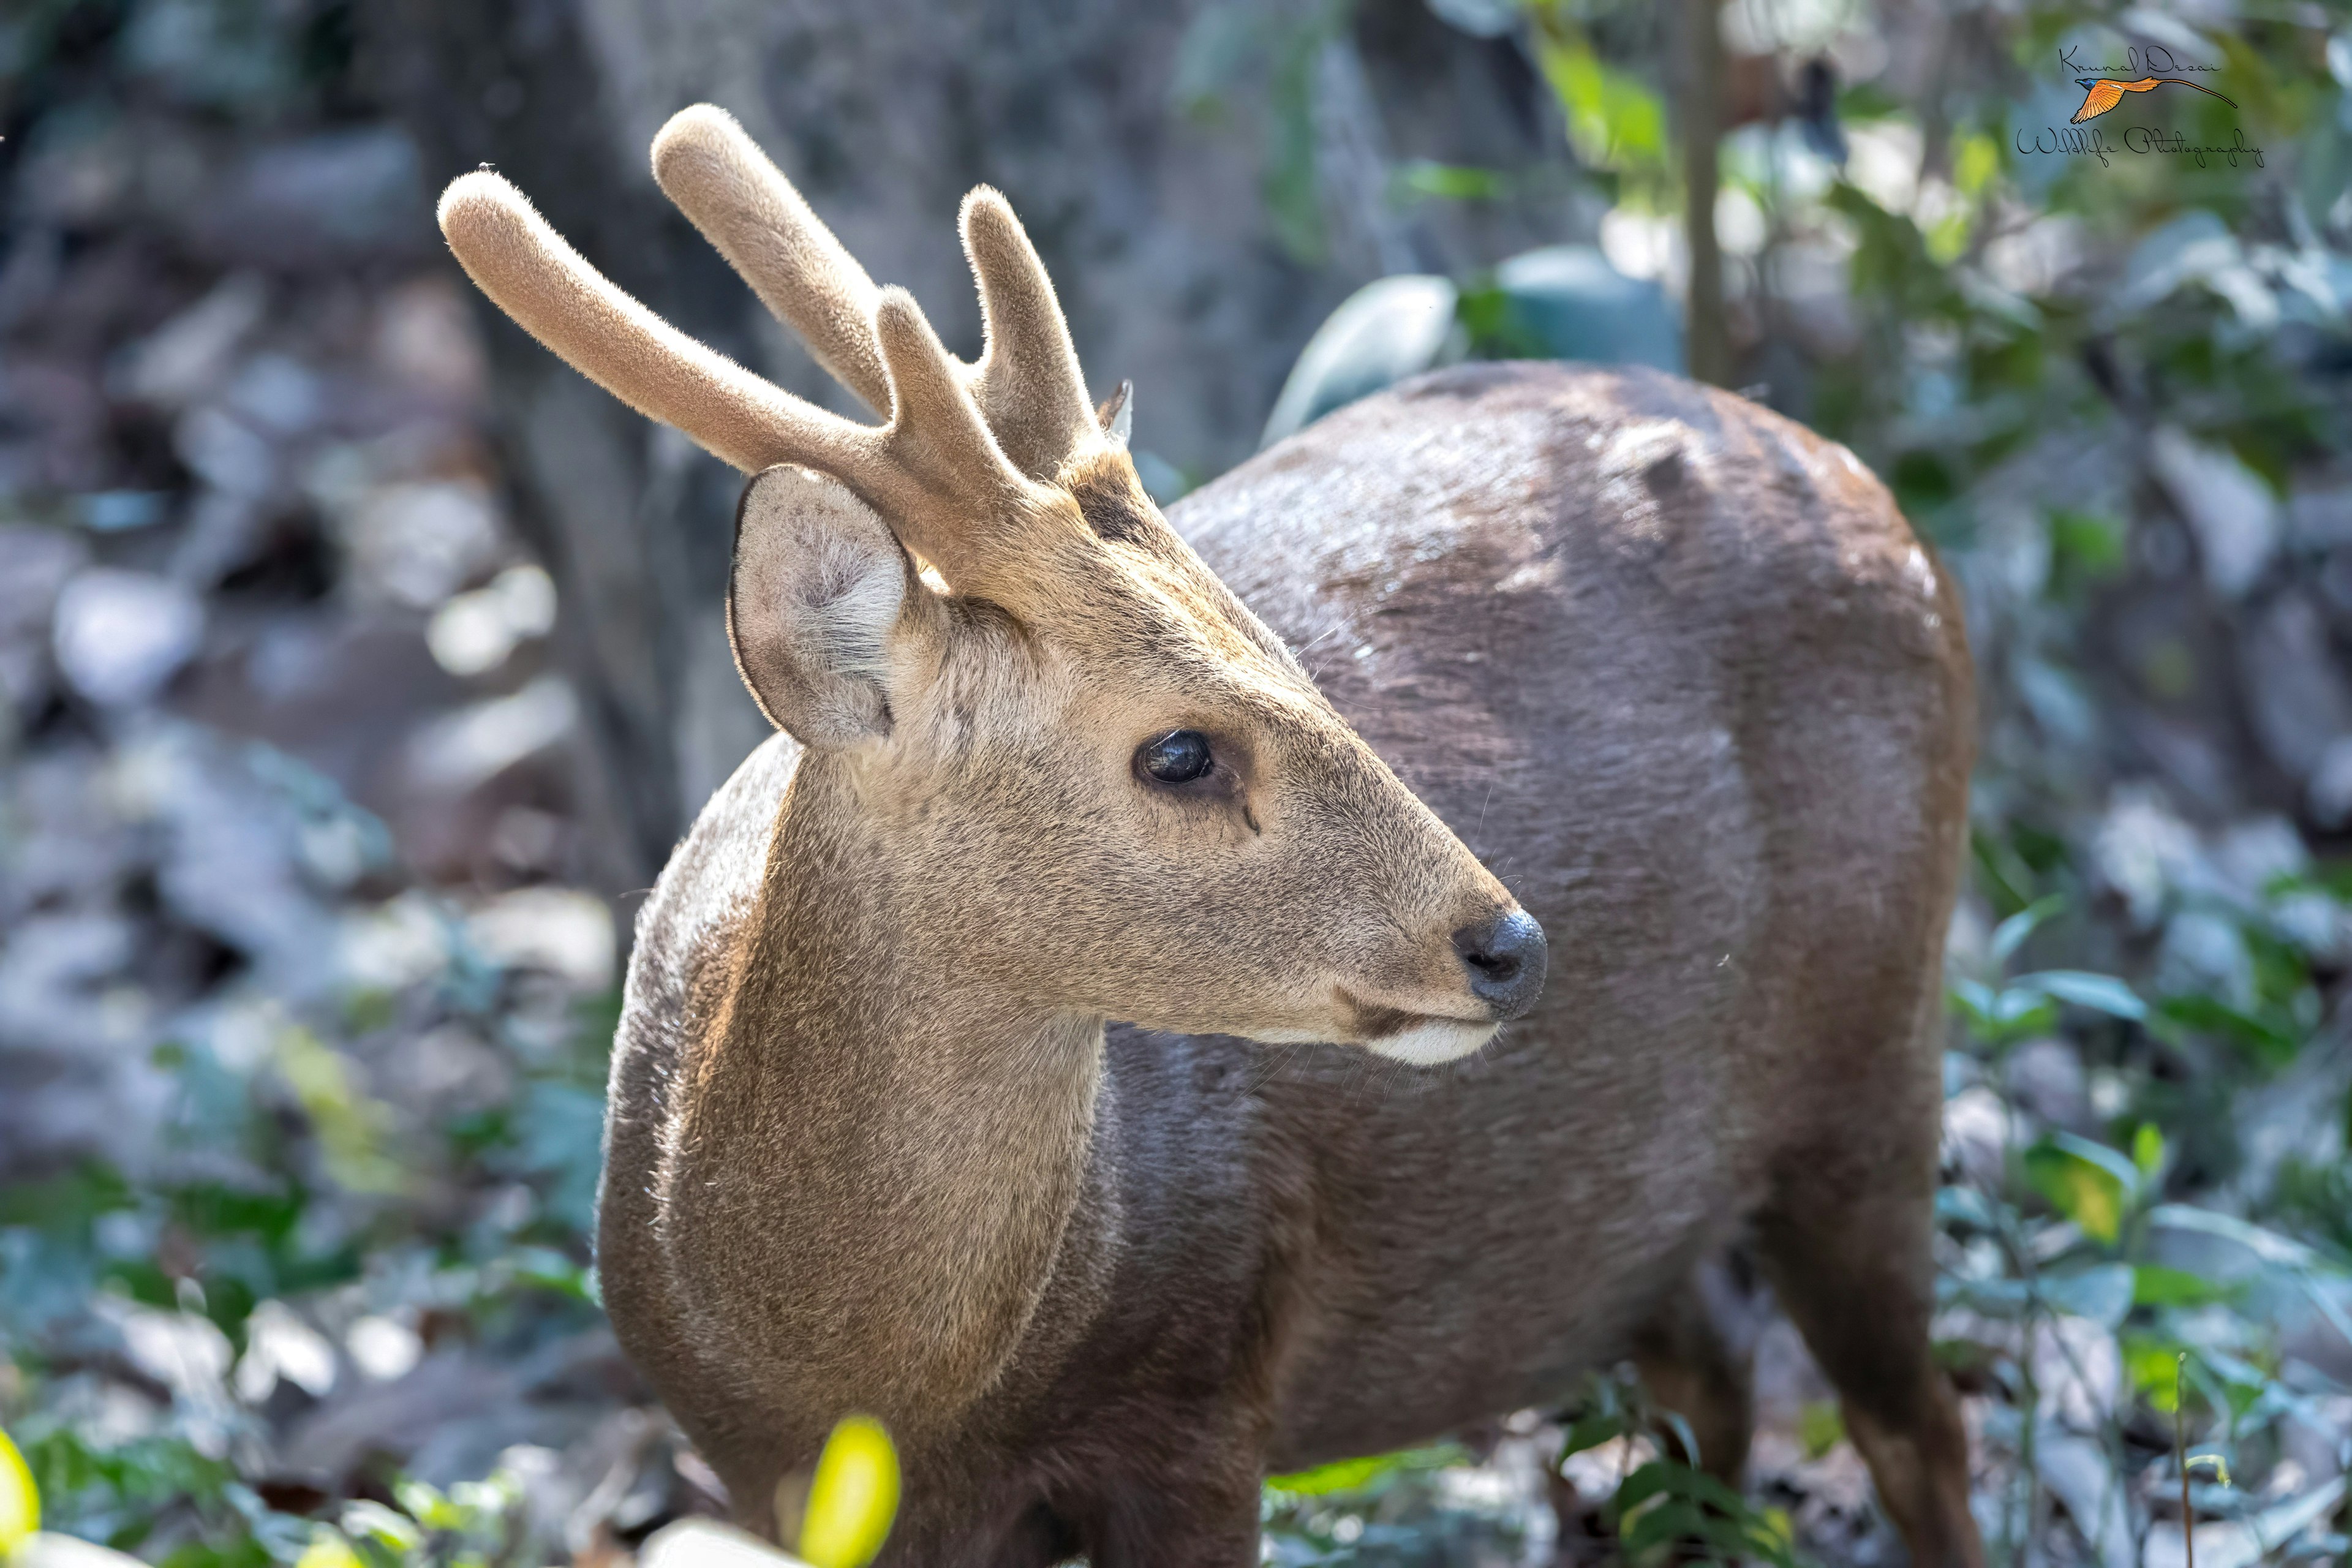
2099 95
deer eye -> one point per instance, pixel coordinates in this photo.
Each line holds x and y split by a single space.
1178 757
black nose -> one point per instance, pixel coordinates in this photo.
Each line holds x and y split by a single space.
1506 961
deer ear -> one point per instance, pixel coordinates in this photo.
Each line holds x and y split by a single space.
813 606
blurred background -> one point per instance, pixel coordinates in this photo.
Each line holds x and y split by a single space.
359 664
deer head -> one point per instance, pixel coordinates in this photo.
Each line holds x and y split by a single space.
1091 777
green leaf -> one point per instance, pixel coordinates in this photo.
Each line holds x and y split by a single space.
1590 1432
1455 182
2010 934
2008 877
1703 1488
1650 1480
2102 1293
1682 1435
353 1130
2267 1245
1662 1524
426 1506
365 1521
2084 549
2154 1285
2333 877
2148 1151
1964 1205
1666 1504
1614 120
1975 159
2212 1015
2100 993
2153 1365
1775 1535
1366 1473
2089 1185
1998 1017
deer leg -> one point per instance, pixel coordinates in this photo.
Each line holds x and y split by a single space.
1695 1361
1848 1252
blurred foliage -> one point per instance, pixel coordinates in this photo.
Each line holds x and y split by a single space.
1616 122
1387 1508
325 1210
1235 50
252 63
1961 372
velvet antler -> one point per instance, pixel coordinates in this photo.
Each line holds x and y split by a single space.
1027 381
935 473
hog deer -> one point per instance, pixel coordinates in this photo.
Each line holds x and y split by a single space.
941 1091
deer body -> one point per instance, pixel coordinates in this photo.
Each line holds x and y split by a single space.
878 1140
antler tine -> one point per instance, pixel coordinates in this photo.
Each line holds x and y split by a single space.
938 438
1028 381
526 267
1027 384
934 473
741 202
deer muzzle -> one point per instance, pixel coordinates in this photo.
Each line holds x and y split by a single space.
1505 961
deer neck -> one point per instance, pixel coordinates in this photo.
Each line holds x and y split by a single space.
879 1158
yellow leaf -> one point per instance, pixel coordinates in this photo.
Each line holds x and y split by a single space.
328 1550
1975 159
354 1130
1821 1426
2083 1181
853 1497
20 1502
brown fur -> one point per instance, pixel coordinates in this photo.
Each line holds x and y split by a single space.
1673 666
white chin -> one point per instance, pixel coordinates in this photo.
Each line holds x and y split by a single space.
1438 1040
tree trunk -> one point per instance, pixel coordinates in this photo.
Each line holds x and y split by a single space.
1700 81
